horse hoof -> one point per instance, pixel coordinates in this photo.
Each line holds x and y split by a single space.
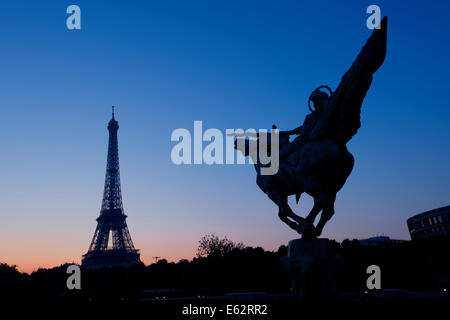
318 233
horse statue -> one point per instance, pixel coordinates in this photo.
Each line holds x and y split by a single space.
317 162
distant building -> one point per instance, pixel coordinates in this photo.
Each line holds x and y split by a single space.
429 224
377 240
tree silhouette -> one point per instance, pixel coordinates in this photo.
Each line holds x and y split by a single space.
212 245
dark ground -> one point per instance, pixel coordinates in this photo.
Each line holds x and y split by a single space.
165 288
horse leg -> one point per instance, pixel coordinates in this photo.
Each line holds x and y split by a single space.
295 217
308 229
312 188
326 215
291 214
284 217
314 212
284 211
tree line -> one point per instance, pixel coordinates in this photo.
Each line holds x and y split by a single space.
223 266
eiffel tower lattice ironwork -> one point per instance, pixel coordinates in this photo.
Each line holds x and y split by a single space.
111 223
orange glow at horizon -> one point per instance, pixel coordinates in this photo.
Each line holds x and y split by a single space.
45 254
31 263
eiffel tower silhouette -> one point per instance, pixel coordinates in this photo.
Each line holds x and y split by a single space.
111 223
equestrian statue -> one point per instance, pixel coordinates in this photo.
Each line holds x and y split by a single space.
317 161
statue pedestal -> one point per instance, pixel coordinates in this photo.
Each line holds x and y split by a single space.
315 270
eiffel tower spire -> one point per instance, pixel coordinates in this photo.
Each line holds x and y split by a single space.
112 217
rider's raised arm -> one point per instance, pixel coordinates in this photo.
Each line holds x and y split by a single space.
297 130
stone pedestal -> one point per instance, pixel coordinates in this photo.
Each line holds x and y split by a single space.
314 268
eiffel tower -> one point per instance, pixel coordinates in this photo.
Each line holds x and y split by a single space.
111 222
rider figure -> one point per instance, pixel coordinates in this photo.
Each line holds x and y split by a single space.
319 99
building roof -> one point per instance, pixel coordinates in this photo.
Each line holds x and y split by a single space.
429 213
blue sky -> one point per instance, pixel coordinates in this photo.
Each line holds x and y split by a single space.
231 64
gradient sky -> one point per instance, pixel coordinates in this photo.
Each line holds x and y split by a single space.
231 64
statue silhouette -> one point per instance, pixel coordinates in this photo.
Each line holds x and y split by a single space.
317 161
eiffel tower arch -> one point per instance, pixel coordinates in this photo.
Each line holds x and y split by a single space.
111 244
